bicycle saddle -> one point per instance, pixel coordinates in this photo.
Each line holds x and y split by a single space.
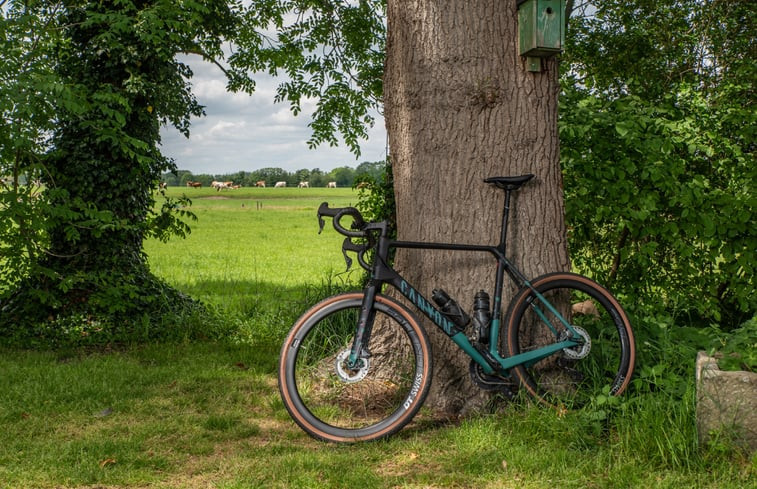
509 183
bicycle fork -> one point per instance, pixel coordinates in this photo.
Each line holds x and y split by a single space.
364 328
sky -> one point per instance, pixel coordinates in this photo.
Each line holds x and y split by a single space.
245 133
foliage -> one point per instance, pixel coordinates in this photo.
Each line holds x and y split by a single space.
27 91
737 350
376 197
332 51
658 151
109 79
660 207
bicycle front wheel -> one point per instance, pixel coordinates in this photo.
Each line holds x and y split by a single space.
602 364
332 402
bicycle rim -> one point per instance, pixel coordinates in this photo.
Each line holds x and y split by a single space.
571 378
332 402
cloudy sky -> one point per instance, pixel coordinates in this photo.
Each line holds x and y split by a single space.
245 133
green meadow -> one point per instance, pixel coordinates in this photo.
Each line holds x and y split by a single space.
252 245
208 414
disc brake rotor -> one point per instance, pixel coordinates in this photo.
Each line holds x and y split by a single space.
347 374
580 351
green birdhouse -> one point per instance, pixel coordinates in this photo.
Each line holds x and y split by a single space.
541 28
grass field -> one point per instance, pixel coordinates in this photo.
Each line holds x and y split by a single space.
208 415
253 245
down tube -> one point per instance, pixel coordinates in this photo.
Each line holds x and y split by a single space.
441 321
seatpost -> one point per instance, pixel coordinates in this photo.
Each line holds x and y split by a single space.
505 213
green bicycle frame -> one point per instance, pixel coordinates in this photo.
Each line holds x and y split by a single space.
489 359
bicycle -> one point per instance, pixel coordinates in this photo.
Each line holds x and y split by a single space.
566 338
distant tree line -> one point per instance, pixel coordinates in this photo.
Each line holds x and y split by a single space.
344 176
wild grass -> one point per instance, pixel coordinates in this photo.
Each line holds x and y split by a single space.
200 415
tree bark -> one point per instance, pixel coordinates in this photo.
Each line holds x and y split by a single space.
460 106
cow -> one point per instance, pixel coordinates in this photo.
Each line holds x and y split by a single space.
303 185
221 185
162 185
331 185
194 184
234 187
280 185
260 183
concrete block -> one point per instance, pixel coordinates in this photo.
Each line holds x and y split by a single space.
726 403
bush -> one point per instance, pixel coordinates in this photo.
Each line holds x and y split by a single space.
737 350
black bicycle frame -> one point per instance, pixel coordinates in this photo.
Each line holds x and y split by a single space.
489 359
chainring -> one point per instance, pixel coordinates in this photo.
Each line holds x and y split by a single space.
490 382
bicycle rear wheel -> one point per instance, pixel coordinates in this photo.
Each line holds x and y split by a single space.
572 377
334 403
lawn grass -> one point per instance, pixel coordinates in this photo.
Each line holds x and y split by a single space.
208 415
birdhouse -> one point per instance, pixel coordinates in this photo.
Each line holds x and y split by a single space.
541 27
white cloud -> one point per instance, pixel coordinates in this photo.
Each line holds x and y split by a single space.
209 89
243 133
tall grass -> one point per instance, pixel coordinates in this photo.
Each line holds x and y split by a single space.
198 415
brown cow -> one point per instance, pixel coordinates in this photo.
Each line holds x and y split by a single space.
260 183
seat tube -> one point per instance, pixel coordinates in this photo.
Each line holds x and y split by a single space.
499 281
505 216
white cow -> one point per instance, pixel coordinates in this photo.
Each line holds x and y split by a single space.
331 185
221 185
303 185
280 185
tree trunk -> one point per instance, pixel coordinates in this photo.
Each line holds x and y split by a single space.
460 106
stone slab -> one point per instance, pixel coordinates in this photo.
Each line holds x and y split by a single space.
726 404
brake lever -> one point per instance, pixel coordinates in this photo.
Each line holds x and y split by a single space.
348 245
323 210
